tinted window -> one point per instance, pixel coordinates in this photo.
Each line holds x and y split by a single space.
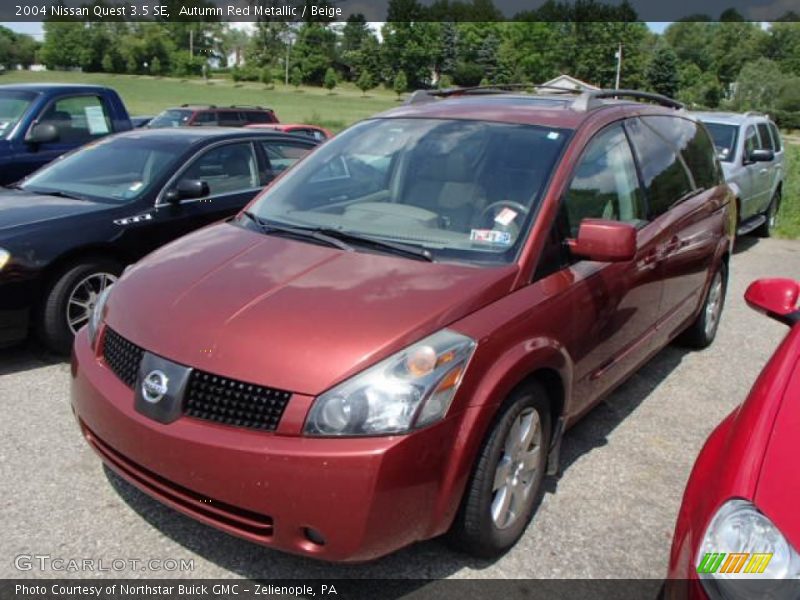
665 176
173 117
694 145
750 141
206 117
255 116
766 139
281 156
776 137
227 169
724 137
605 184
78 119
13 105
230 118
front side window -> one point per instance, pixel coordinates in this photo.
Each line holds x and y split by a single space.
460 189
282 155
78 119
227 169
694 145
605 184
116 170
13 104
764 136
725 137
665 175
750 142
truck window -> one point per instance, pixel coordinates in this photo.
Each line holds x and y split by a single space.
78 119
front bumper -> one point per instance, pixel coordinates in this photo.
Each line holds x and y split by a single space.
365 496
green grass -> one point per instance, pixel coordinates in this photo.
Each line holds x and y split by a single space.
144 95
789 217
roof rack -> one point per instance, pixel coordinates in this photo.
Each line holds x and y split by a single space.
585 99
198 105
252 106
754 113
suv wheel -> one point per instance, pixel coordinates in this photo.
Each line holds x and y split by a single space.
70 301
703 330
506 484
772 216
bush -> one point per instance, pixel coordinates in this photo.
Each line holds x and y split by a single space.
266 76
467 74
330 79
786 119
296 77
400 83
245 74
445 81
364 82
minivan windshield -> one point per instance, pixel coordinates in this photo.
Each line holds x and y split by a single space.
460 189
117 170
724 137
13 104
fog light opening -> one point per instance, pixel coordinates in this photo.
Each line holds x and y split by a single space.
314 536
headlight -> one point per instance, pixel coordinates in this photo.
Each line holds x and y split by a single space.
756 556
5 256
408 390
93 327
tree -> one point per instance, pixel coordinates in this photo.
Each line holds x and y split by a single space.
758 86
314 51
662 72
400 83
155 66
266 76
364 82
330 79
296 77
691 40
487 56
448 53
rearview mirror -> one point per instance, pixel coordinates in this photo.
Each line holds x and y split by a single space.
776 298
42 133
761 155
187 188
604 241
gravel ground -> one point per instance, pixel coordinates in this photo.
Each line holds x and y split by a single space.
610 514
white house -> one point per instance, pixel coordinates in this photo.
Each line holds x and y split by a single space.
568 82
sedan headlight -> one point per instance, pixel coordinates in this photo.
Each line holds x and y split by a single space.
744 555
5 256
408 390
95 320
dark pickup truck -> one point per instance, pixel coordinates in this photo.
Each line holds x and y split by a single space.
39 122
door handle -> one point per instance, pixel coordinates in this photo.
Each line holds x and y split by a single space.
651 258
672 246
764 170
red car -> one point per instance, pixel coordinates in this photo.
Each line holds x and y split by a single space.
738 530
389 343
313 131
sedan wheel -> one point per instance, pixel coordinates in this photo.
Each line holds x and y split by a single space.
83 298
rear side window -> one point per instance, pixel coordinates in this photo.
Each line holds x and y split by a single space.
281 156
664 172
776 137
206 117
230 118
78 119
255 116
695 147
766 138
605 184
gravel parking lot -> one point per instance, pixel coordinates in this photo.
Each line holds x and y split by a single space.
610 514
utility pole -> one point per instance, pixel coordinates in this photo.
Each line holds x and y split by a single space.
191 43
618 56
286 66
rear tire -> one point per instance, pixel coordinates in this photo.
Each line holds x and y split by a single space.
70 300
701 333
768 227
506 484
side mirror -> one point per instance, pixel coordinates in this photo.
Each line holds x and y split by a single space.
776 298
187 188
604 241
761 155
42 133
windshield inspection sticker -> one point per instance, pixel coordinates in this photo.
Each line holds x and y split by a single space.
490 236
505 217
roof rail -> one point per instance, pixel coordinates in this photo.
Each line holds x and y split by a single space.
754 113
253 106
585 100
199 105
500 88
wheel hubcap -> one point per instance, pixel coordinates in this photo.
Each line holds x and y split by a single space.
517 469
83 299
714 304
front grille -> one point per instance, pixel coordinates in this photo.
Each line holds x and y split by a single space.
222 514
122 356
232 402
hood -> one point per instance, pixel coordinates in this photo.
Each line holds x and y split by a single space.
288 314
19 208
778 485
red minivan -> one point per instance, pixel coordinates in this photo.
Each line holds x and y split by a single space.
390 342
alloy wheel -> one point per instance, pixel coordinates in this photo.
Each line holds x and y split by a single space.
83 298
713 305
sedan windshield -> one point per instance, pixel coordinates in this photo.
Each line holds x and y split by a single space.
170 118
724 137
117 170
13 105
460 189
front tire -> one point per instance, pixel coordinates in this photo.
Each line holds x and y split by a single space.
701 333
768 227
71 299
506 484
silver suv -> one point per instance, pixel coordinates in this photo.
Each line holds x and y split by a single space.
750 150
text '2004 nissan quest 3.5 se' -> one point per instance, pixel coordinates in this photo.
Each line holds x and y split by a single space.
390 342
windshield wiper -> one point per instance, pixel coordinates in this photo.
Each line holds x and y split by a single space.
393 247
60 194
303 232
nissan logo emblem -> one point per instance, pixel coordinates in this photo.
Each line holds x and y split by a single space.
154 386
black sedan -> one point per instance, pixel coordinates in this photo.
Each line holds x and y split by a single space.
68 230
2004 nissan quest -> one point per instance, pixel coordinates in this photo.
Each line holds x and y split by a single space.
389 343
